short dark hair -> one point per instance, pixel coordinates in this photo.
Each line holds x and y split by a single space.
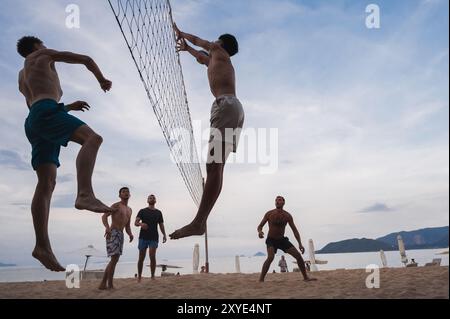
229 43
25 45
123 189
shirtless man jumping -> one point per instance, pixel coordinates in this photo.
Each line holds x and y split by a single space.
48 127
114 235
278 219
227 119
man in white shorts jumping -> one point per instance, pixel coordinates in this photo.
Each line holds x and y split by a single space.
227 119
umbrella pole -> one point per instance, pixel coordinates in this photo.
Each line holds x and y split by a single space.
206 241
85 264
206 251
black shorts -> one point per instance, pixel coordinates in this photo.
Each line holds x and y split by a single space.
282 243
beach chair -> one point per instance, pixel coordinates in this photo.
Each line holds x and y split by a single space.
434 262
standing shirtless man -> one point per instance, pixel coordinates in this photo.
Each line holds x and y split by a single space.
48 127
227 119
278 219
114 235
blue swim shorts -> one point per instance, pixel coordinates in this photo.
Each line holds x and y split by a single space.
48 127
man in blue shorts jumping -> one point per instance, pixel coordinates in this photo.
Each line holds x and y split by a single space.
50 126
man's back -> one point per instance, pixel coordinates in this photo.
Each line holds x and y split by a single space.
38 79
221 73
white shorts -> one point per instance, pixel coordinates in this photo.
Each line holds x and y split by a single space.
227 120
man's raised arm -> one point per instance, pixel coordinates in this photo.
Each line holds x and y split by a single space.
192 38
201 57
74 58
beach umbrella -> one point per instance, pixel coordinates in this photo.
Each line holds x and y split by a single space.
237 263
88 251
312 256
402 250
196 258
383 258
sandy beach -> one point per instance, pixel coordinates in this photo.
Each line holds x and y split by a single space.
395 283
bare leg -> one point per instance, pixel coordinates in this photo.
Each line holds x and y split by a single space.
300 262
114 261
105 278
40 208
267 263
109 273
213 187
152 254
90 143
141 263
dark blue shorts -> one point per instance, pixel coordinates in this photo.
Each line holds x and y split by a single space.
48 127
144 244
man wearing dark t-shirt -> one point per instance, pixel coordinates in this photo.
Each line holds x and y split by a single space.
148 219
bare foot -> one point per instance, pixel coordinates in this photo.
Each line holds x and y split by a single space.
189 230
46 257
92 204
102 287
310 279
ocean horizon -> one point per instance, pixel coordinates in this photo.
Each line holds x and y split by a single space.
224 265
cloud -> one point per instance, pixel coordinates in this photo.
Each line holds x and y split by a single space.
64 201
378 207
65 178
21 205
144 162
13 160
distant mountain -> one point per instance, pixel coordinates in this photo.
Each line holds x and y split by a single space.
422 238
7 265
259 254
426 238
354 246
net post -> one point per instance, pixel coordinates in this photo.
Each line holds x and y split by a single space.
206 237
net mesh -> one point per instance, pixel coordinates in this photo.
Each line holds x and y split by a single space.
147 27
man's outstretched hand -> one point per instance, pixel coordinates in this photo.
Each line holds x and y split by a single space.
105 85
261 234
182 45
78 106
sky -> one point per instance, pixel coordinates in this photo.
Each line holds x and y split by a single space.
362 118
